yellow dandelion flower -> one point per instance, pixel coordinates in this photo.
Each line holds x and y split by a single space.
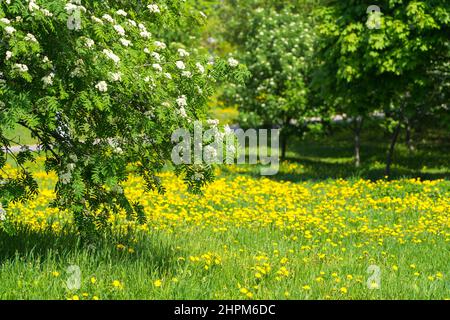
244 290
157 283
306 288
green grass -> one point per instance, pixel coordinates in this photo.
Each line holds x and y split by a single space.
20 135
33 264
28 261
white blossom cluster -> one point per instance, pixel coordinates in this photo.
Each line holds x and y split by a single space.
160 66
2 213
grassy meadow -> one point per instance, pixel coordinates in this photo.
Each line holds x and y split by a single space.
320 229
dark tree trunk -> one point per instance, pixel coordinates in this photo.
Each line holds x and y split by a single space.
390 154
358 122
284 139
285 134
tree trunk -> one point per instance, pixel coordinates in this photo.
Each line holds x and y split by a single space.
358 122
390 154
284 138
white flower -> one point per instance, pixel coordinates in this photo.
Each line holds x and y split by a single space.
157 67
160 45
102 86
142 27
8 55
97 20
198 176
81 8
213 122
21 67
89 43
111 55
48 80
45 59
118 150
210 153
2 213
108 18
182 112
119 29
46 13
203 14
180 65
200 68
115 76
145 34
30 37
65 178
182 101
10 30
146 50
132 22
125 42
121 13
153 8
187 74
5 21
33 6
233 62
183 53
156 56
168 75
70 8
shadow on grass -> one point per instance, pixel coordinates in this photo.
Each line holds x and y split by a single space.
332 158
25 244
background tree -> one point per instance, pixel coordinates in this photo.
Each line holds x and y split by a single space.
365 69
274 40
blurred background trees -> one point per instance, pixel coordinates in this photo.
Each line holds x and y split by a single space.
316 62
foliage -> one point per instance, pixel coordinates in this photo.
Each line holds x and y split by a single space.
399 68
275 42
102 92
